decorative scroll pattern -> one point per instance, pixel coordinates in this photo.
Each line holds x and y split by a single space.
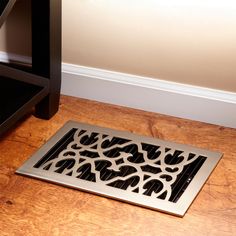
137 167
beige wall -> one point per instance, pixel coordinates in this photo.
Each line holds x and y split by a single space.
186 41
15 34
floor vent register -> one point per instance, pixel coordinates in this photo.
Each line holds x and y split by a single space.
148 172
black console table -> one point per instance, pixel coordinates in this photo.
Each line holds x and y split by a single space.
38 85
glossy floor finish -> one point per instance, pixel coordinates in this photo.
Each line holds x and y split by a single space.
33 207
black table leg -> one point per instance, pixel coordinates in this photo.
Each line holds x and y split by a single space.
46 51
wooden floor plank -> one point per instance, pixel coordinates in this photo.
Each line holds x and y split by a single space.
32 207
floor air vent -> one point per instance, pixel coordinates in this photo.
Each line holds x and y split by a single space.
145 171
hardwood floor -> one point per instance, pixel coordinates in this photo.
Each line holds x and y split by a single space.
32 207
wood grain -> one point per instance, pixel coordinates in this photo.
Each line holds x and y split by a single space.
32 207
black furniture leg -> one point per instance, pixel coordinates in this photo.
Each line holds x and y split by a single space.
46 52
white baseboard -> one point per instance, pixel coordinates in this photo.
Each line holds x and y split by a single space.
174 99
8 57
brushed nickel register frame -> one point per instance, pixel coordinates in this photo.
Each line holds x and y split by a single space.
136 169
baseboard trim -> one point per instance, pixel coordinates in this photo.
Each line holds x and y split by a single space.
11 57
174 99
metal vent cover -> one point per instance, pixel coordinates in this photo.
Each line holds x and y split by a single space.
145 171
